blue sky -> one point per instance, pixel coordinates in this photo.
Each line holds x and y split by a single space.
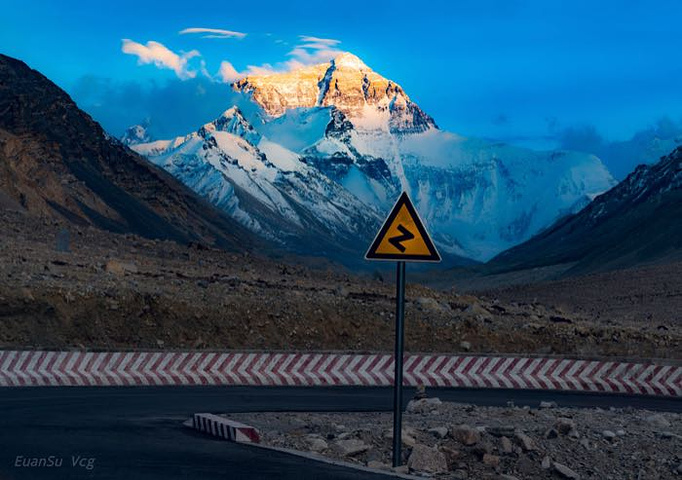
516 70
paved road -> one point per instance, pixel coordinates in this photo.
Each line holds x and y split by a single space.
136 432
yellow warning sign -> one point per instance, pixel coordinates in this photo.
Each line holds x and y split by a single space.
403 236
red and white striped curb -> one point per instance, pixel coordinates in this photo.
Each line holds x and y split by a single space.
39 368
223 428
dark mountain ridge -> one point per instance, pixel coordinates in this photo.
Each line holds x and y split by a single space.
638 221
56 161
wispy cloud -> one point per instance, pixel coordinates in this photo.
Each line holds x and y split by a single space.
308 51
212 32
162 57
312 50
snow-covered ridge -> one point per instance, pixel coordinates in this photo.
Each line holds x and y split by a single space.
260 183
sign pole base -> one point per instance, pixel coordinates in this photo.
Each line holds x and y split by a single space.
398 361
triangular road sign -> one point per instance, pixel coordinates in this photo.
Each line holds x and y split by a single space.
403 236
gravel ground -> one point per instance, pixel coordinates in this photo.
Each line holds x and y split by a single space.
457 441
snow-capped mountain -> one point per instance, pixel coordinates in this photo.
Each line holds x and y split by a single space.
263 185
348 140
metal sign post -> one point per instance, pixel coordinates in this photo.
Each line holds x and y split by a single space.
404 238
398 382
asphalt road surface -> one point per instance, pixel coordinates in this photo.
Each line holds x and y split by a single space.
130 433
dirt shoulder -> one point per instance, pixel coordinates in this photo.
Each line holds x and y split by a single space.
126 292
456 441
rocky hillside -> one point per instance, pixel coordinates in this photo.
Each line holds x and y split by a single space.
55 161
637 221
113 291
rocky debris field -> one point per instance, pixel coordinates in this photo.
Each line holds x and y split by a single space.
457 441
79 287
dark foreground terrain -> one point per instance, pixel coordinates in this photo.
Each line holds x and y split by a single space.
124 291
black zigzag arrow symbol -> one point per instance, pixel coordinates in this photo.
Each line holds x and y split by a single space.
397 241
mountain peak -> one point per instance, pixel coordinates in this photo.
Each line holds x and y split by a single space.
348 60
232 121
369 100
136 134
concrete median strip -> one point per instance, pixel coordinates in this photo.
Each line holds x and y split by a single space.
50 368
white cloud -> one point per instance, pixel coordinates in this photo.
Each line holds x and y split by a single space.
158 54
227 73
213 32
309 51
313 50
328 42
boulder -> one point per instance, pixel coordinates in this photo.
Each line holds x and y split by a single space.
423 405
316 443
427 460
525 441
565 472
465 434
351 447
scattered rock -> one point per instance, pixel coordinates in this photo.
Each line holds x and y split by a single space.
657 421
544 404
546 463
506 446
507 477
551 433
440 432
565 472
464 345
525 441
668 435
407 436
426 459
452 456
351 447
491 460
465 434
119 268
564 425
377 465
423 405
620 433
338 428
476 310
504 431
608 435
426 303
316 443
